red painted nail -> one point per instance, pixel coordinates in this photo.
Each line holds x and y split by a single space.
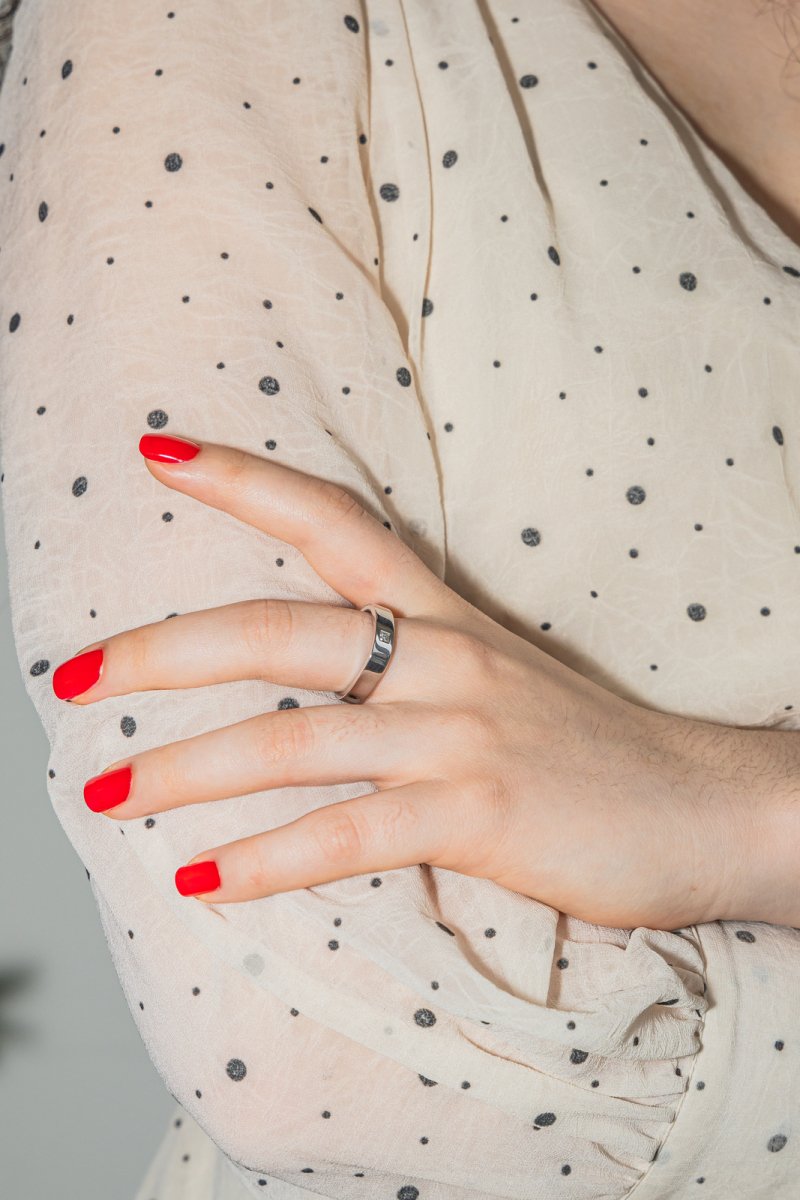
167 449
199 877
102 792
78 674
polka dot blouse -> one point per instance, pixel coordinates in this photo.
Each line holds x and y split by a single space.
467 261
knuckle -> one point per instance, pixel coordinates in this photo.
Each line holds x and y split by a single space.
236 467
336 505
471 654
138 651
466 734
398 817
475 727
338 836
257 870
267 627
173 777
284 737
497 795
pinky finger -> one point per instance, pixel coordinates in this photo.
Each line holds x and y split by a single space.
379 831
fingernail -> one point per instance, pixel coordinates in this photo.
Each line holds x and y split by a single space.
102 792
77 675
167 449
198 877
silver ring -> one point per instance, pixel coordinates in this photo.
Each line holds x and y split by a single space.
383 643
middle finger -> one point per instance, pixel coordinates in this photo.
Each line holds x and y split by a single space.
293 642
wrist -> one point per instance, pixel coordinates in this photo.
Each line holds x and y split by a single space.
757 772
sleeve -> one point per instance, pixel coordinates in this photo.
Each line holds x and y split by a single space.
175 256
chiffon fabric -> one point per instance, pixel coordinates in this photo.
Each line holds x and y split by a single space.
465 259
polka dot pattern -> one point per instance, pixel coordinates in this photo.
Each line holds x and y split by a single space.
456 276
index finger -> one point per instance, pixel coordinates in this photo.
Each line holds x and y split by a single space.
351 550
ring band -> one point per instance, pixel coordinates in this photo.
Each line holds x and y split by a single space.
383 643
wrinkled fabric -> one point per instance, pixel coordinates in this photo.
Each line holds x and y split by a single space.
504 295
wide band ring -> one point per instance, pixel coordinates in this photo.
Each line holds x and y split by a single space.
383 643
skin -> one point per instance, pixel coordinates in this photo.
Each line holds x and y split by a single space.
733 68
501 763
504 764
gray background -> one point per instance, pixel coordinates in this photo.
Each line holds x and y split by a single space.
83 1108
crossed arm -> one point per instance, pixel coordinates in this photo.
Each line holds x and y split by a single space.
496 761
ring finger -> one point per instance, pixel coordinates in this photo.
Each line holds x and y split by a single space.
319 745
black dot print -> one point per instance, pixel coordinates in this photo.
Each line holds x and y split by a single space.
580 383
236 1069
424 1017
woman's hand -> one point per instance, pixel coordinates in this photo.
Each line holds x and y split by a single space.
491 758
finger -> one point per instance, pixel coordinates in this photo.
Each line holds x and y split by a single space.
349 548
319 745
400 827
293 642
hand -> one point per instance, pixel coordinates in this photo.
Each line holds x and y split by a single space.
490 757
